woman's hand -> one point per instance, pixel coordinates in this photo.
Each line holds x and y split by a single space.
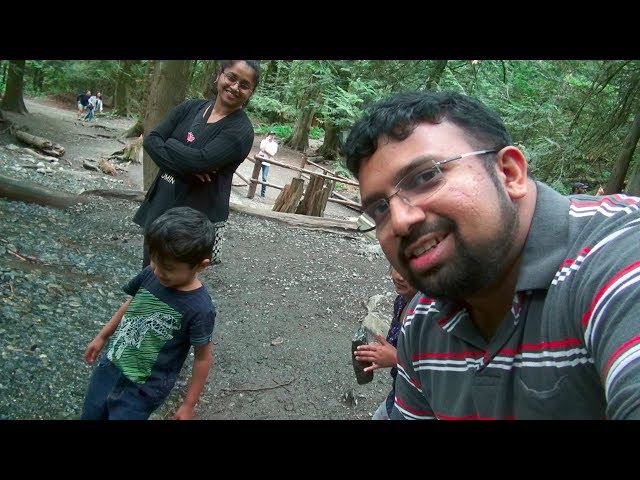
206 177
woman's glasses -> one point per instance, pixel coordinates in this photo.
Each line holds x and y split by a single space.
242 84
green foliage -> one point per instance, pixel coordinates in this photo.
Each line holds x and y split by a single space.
341 169
269 109
282 131
570 117
316 133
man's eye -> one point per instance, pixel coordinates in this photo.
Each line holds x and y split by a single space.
422 178
378 209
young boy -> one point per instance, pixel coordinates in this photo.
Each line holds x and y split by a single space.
152 332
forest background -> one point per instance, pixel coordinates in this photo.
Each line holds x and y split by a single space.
576 120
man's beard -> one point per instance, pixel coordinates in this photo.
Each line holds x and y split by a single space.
472 267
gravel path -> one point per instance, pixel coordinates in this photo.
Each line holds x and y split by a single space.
289 300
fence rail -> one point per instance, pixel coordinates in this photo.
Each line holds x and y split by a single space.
255 181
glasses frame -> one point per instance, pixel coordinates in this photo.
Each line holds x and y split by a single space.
435 166
237 80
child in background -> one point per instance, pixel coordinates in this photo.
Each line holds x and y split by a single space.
383 354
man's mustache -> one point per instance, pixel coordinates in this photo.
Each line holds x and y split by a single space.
441 224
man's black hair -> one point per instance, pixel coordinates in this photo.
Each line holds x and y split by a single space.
397 116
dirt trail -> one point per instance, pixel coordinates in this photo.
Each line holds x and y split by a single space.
288 299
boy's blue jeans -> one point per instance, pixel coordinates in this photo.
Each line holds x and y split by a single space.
112 396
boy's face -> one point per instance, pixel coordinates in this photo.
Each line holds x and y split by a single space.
174 274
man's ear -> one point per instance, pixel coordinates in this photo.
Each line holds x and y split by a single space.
203 264
512 169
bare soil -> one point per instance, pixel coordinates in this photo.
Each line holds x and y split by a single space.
289 299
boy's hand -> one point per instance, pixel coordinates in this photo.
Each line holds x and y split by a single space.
185 412
93 349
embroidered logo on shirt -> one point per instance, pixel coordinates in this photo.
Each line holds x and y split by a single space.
168 178
190 137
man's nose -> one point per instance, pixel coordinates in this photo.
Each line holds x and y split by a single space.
403 215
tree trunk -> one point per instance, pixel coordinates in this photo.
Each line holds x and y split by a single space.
121 94
209 78
138 129
168 88
299 139
616 180
330 148
13 100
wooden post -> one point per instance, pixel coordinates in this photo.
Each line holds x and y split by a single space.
254 176
316 196
289 197
303 164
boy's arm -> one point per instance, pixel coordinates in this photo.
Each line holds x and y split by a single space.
201 364
94 348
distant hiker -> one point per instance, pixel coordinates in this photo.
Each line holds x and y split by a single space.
82 101
579 187
268 149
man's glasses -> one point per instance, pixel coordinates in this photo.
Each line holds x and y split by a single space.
242 84
414 187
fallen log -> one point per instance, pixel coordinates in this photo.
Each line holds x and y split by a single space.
42 144
315 223
33 193
131 195
33 153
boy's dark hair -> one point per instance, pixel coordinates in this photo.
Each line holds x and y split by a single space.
397 117
182 234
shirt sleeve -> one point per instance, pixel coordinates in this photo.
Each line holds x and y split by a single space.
410 402
132 287
201 329
155 142
608 295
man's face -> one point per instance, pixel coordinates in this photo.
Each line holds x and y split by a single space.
456 241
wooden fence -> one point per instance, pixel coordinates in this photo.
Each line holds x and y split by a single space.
303 173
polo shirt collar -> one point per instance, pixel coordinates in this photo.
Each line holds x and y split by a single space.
547 242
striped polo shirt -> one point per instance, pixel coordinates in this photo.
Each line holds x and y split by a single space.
570 346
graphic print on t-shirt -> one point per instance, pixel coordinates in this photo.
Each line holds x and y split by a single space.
145 328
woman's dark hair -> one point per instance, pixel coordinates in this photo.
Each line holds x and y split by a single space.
255 66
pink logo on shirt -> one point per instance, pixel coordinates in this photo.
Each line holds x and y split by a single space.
190 137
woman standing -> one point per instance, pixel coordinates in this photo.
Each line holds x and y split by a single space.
198 147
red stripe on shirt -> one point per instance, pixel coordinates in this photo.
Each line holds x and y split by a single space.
604 289
623 348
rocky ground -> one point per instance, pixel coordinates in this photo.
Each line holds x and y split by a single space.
289 299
